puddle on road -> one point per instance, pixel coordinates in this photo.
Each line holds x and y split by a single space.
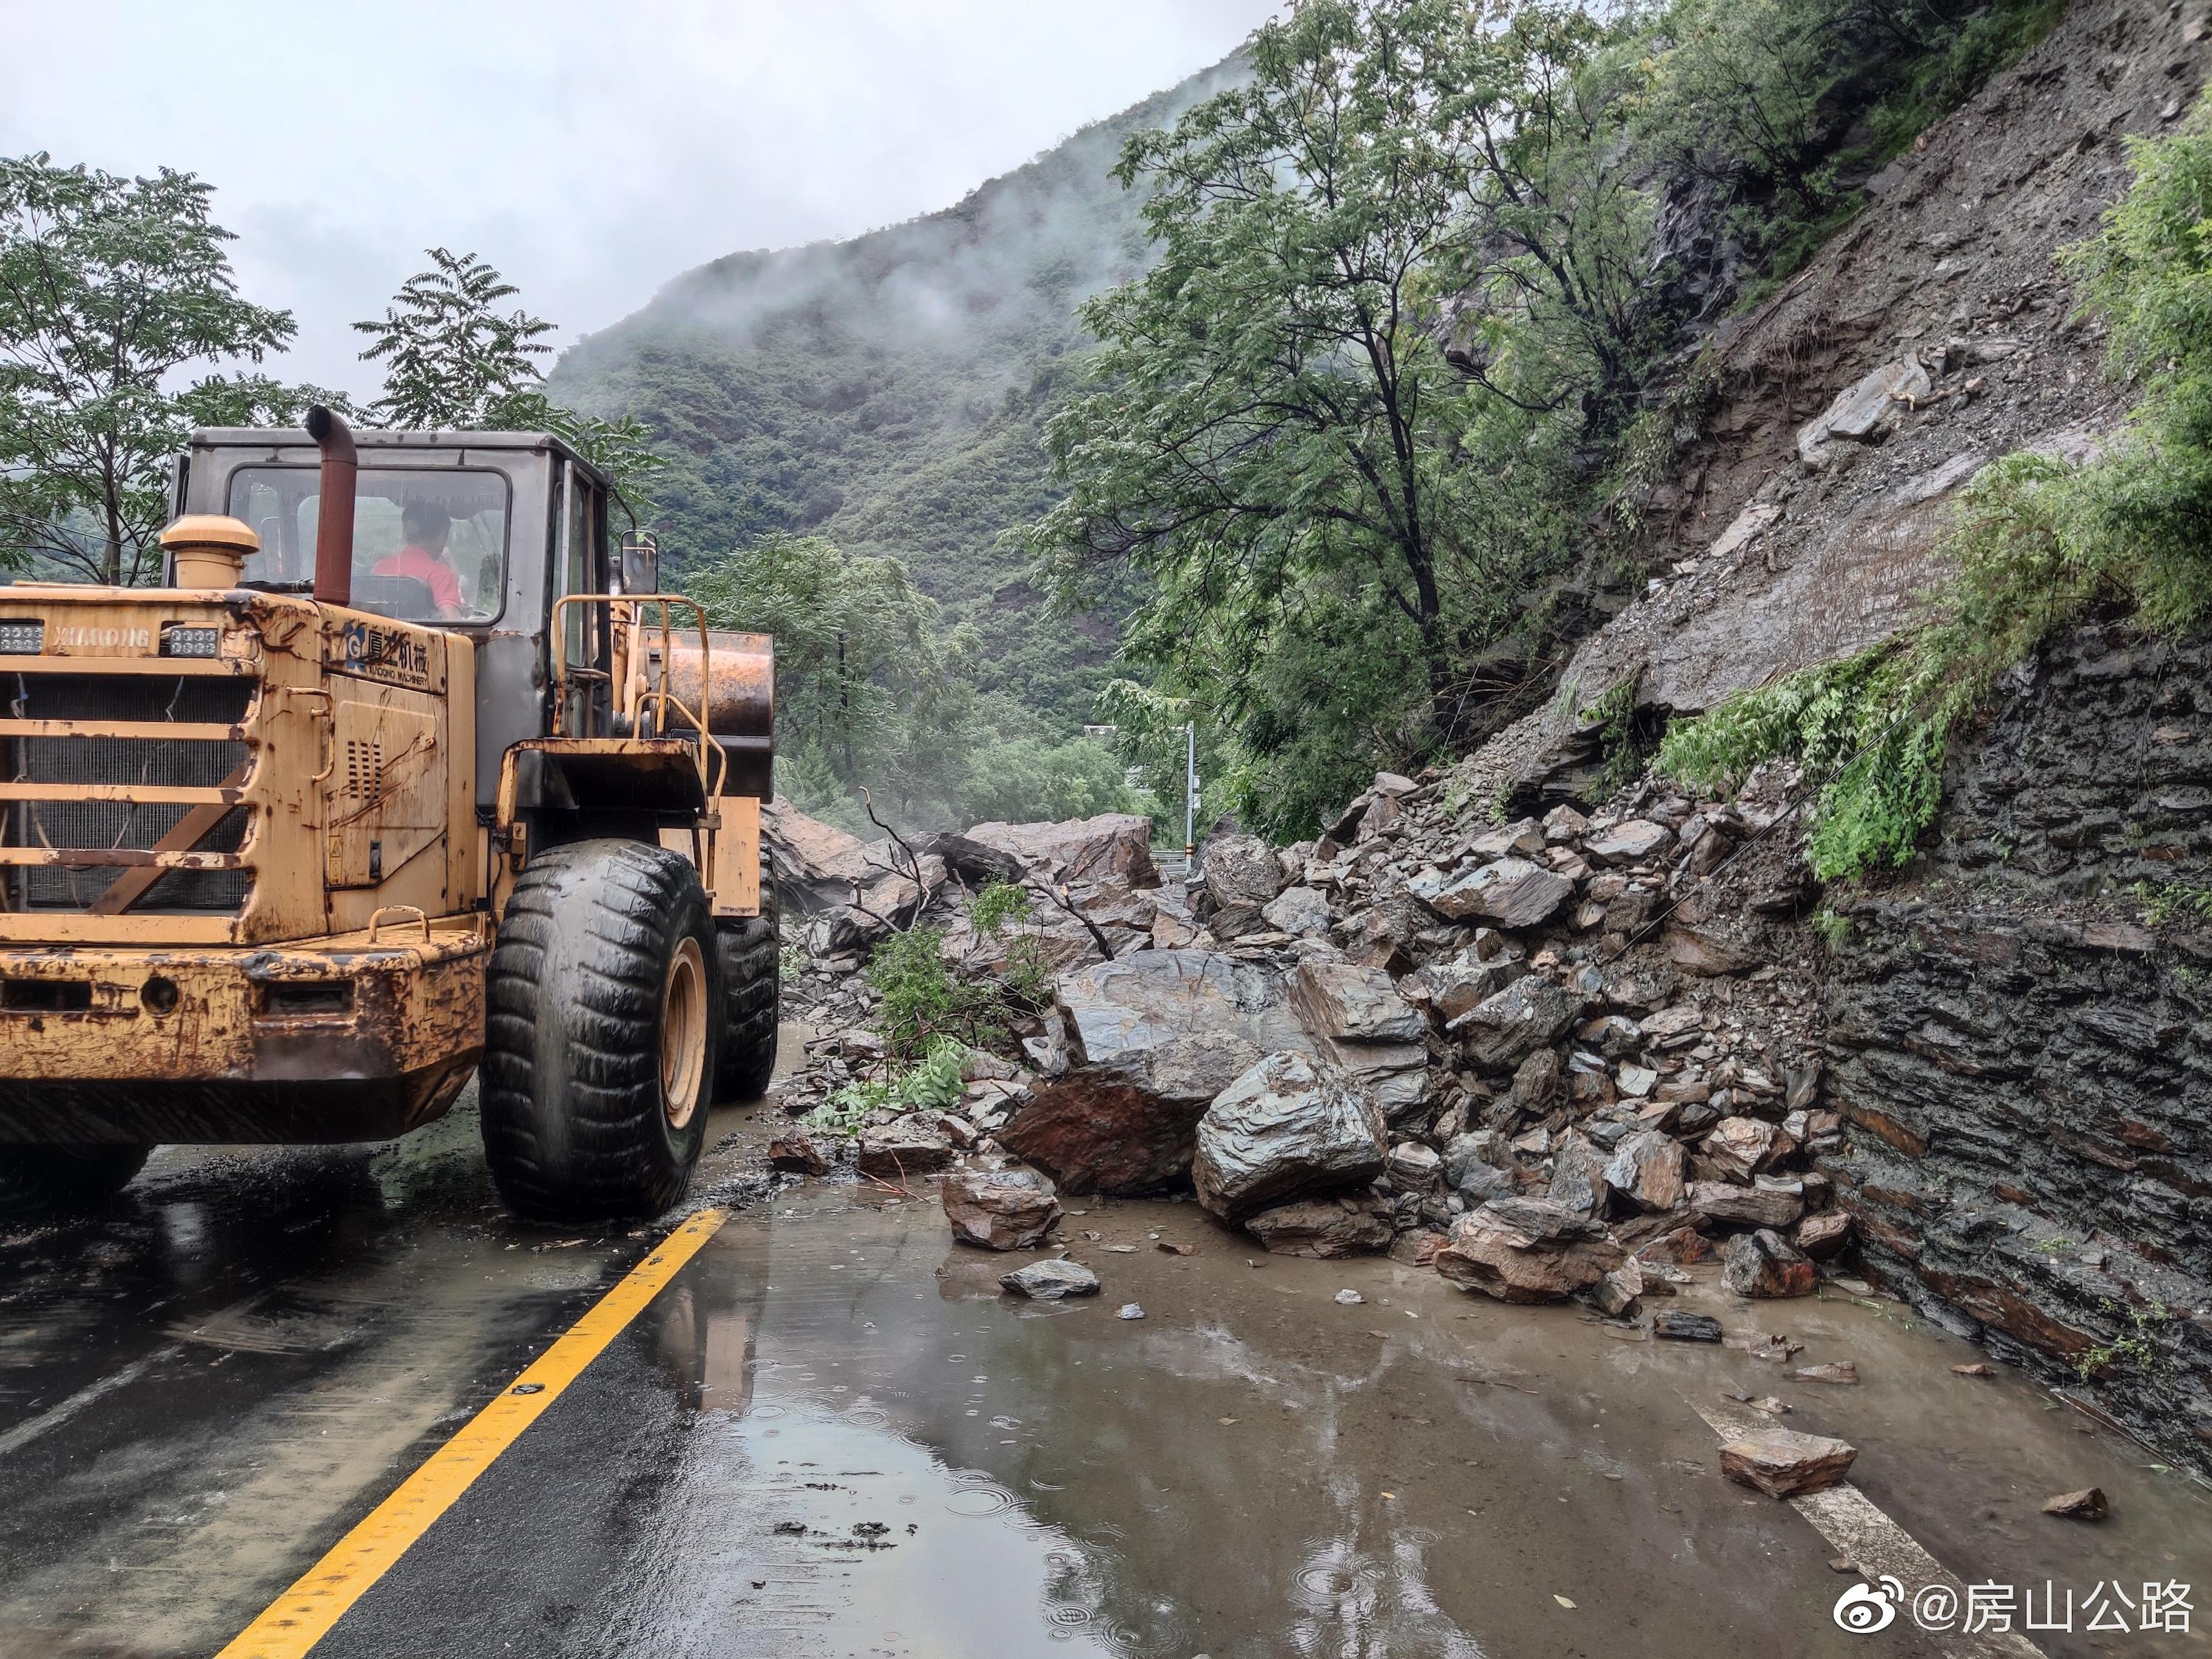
1255 1469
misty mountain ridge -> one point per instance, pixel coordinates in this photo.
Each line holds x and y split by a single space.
890 390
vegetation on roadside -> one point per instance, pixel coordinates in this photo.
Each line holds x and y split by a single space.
932 1018
1391 400
2037 541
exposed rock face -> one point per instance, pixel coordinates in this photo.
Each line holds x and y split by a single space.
1001 1209
1152 1038
1323 1227
2018 1063
1288 1128
1527 1249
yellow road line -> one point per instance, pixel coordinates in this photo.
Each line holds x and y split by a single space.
301 1617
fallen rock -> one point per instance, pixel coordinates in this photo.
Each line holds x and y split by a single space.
2087 1505
1629 842
1823 1236
1527 1249
1413 1168
1744 1206
797 1155
1346 1003
1686 1327
1501 1031
1863 412
1297 911
1647 1170
1115 846
912 1144
1975 1369
1509 892
1129 1310
1783 1463
1419 1248
1286 1127
1323 1227
1153 1038
1049 1281
1001 1209
1480 1165
1762 1264
1743 1146
1241 876
1615 1292
1837 1373
1578 1176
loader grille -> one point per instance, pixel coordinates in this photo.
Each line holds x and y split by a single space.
134 762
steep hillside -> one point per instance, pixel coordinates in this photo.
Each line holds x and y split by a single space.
888 392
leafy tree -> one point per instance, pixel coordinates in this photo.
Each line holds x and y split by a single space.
1400 275
107 287
454 361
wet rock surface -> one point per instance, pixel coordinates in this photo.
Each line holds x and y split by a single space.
1286 1128
1001 1209
1783 1463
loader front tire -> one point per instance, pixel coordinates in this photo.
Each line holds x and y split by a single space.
752 997
601 1039
50 1180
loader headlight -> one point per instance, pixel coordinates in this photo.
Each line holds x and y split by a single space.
23 639
178 640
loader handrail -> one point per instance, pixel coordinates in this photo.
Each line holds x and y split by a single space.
631 695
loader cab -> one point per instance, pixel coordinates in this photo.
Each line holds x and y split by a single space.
480 532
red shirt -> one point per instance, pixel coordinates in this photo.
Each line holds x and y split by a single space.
433 572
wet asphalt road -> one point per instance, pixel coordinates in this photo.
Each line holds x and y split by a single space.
830 1434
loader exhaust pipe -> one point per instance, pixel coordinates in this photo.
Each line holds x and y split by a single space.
334 513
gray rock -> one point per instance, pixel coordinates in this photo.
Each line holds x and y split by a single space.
1763 1264
1744 1206
1628 842
1578 1176
1529 1014
1001 1209
1049 1281
912 1145
1413 1168
1480 1165
1152 1039
1524 838
1114 848
1286 1127
1129 1310
1346 1003
1296 911
1647 1170
1510 892
1324 1228
1241 876
1526 1249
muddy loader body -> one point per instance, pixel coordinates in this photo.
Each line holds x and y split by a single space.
407 773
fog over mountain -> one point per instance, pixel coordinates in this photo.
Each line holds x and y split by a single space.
890 390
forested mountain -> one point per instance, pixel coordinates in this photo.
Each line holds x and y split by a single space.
888 392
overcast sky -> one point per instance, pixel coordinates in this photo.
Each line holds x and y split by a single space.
589 151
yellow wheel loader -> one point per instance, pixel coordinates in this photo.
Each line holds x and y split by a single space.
408 772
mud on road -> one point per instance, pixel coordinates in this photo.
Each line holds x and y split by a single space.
832 1434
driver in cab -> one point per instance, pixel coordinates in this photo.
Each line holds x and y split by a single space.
428 528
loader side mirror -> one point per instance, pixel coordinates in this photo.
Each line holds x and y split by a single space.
641 564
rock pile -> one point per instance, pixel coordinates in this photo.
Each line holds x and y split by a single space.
1537 1055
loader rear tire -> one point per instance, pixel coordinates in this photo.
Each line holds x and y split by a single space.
600 1039
752 996
62 1180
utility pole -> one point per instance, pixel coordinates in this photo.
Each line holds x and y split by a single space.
1190 793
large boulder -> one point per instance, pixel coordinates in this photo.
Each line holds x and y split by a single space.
1001 1209
1346 1003
1527 1249
1648 1170
1152 1039
812 859
1510 892
1502 1031
1241 877
1324 1227
1112 848
1764 1264
1286 1127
